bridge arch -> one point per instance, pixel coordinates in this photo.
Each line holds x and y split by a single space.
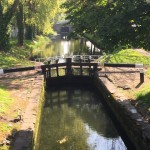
63 28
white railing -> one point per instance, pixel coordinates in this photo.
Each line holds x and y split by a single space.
75 58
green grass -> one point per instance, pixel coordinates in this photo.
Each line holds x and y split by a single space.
148 73
5 100
4 127
128 56
18 56
144 95
5 103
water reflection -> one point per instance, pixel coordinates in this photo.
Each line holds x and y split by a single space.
59 48
74 119
66 46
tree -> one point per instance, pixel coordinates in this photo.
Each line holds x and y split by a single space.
20 24
37 16
40 16
5 18
111 23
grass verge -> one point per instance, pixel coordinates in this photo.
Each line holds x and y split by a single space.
5 100
19 56
6 126
144 95
15 57
127 56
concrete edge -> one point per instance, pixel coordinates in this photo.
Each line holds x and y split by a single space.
25 136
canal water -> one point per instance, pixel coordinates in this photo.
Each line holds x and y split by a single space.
61 48
73 118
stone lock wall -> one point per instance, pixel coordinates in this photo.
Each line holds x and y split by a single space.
132 122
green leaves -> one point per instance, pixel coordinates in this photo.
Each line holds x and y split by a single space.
6 13
37 15
115 23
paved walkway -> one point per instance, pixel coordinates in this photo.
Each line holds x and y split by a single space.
25 86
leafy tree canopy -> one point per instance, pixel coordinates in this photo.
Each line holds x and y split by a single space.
111 22
37 15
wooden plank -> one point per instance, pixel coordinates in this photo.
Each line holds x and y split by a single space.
84 64
18 69
109 72
123 65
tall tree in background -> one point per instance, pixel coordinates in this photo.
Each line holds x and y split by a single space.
40 16
6 13
37 16
111 23
20 24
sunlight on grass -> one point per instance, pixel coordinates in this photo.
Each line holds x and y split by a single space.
5 100
40 45
4 148
148 73
4 127
18 56
129 56
144 94
8 61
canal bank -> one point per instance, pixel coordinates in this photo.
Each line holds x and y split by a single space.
132 122
137 130
27 134
23 95
27 92
135 127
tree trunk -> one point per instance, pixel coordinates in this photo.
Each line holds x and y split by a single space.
91 48
94 50
34 32
4 38
4 22
3 31
20 25
29 32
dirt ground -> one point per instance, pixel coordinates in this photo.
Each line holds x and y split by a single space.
19 86
129 84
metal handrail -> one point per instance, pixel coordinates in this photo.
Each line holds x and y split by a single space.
84 58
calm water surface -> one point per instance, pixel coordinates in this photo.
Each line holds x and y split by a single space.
61 47
75 119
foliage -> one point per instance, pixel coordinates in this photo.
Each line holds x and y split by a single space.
41 14
128 56
144 94
5 100
18 56
6 14
38 18
112 23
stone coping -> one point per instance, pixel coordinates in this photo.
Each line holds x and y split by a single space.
24 136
